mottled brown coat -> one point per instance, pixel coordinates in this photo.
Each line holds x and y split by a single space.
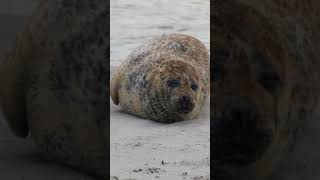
139 85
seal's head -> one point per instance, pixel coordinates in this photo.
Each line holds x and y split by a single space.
175 88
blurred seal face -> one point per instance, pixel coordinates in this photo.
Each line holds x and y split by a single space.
247 87
254 82
264 85
176 88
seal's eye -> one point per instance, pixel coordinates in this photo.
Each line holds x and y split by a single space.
269 81
173 83
266 73
194 87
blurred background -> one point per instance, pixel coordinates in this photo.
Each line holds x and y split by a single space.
133 22
20 159
13 15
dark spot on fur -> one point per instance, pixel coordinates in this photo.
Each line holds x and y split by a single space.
177 46
137 80
82 64
137 56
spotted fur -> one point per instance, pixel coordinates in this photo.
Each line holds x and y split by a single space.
139 85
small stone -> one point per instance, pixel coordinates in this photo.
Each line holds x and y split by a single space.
198 177
163 163
137 170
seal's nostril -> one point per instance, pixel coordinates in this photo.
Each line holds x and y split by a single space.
244 116
185 99
185 104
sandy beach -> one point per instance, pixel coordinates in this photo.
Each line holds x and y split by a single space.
143 149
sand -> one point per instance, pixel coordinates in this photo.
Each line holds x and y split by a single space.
143 149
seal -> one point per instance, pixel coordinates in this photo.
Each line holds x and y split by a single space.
264 85
165 80
54 83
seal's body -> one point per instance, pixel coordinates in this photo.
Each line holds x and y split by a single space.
54 83
165 80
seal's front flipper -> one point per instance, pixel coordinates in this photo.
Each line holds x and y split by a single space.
12 99
115 85
14 113
13 81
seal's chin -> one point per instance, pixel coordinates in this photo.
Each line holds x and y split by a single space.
186 109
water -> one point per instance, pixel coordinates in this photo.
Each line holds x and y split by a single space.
133 22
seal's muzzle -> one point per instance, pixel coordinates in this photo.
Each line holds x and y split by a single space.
237 134
185 104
